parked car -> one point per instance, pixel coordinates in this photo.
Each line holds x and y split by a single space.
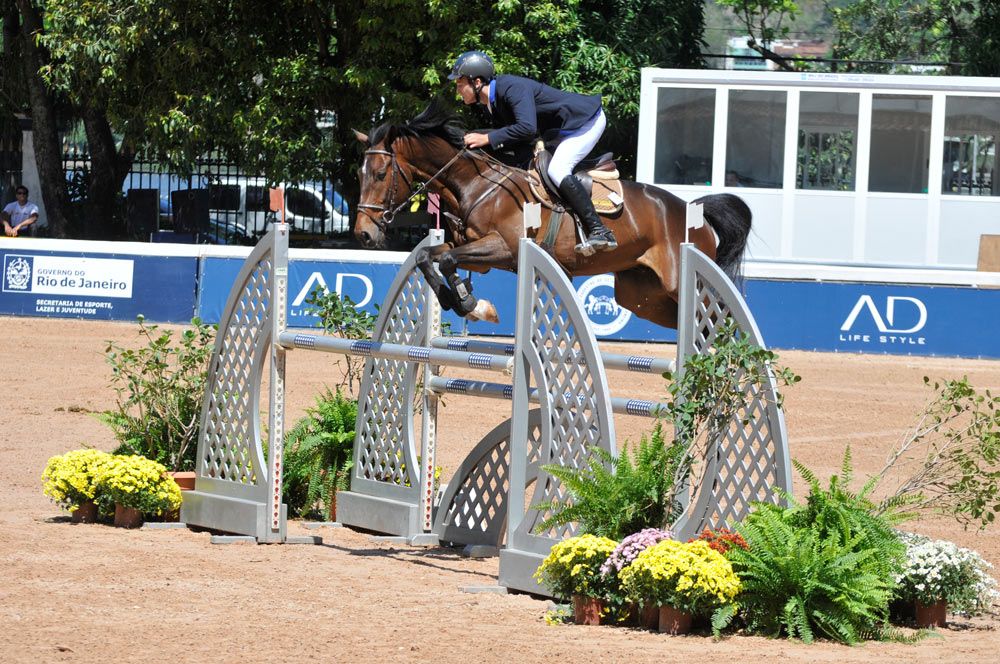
246 202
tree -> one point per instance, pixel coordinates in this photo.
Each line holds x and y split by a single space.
23 22
901 30
279 86
764 21
982 47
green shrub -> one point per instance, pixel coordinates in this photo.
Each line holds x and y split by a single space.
159 389
340 317
827 566
318 453
617 496
797 583
949 462
838 513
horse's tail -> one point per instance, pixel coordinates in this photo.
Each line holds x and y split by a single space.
730 218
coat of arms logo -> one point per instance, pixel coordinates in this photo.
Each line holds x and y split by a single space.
18 274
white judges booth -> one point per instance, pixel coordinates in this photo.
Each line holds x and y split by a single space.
850 169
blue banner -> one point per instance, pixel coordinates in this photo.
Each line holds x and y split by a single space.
366 284
97 286
877 318
843 317
597 295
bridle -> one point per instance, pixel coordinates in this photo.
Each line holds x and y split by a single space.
386 208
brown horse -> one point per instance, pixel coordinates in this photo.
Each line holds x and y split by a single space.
485 198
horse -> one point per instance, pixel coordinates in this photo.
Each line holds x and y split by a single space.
483 200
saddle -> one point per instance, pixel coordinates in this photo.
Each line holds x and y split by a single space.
599 176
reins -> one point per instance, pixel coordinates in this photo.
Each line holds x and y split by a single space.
389 213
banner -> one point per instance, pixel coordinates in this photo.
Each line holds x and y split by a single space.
112 287
877 318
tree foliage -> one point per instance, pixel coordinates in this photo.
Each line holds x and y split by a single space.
901 30
278 86
765 21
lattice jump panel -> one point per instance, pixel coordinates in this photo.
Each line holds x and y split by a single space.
385 450
750 460
578 408
229 447
473 508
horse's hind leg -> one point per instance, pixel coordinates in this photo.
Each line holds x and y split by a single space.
640 291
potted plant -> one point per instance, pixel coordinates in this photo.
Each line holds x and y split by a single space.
647 611
70 480
939 576
683 579
722 539
572 570
137 486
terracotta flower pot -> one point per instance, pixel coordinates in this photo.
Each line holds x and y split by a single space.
184 479
650 618
85 513
673 621
932 615
126 517
587 610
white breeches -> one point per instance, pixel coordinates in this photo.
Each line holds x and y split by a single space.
575 147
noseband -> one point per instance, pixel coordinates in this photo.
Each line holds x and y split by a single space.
386 208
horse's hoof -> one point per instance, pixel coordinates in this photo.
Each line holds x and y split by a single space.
484 311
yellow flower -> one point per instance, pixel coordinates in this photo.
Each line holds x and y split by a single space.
573 566
71 478
688 576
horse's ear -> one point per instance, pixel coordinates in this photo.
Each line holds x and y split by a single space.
361 137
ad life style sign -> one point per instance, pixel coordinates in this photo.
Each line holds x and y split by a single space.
891 327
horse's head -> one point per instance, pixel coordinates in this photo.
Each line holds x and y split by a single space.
386 178
395 155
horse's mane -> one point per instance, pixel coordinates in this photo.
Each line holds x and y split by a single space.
435 120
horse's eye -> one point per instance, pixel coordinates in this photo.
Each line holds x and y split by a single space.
381 174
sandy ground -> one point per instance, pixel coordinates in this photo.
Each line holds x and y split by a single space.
93 593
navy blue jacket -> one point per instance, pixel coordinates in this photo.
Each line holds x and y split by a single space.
523 109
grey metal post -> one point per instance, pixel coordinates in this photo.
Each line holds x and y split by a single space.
429 408
276 401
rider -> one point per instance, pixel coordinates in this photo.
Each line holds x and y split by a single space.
520 109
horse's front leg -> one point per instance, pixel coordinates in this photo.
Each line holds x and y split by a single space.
425 259
480 255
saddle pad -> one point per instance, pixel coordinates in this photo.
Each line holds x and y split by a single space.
606 195
603 194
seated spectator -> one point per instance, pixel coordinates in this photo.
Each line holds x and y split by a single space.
18 217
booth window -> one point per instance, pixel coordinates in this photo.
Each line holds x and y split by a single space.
901 141
755 141
685 130
971 127
828 141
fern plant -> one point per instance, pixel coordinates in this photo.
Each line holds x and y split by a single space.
615 496
318 458
839 513
797 582
825 567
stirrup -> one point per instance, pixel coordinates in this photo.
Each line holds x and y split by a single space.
585 248
603 240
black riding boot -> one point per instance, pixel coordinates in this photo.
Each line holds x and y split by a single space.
599 236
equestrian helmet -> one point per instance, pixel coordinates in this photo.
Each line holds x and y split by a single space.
473 64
